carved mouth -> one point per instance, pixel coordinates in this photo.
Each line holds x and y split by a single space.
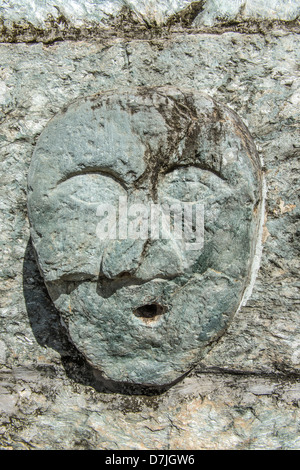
150 312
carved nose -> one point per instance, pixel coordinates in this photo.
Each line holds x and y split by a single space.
162 259
143 259
121 256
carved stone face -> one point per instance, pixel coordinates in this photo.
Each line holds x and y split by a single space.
144 310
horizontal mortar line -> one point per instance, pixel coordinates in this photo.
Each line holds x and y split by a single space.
289 375
28 34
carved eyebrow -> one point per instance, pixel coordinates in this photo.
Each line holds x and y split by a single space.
201 167
94 171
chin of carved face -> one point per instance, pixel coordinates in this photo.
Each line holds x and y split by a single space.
145 207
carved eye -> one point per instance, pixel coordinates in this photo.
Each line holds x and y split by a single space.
92 189
188 184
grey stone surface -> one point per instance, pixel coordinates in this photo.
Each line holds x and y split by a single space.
207 412
211 12
250 397
79 12
160 146
2 352
215 11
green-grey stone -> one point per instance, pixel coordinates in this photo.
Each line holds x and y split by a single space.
154 145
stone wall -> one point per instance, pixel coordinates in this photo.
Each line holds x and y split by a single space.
245 394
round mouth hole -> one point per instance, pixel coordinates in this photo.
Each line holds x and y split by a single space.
149 312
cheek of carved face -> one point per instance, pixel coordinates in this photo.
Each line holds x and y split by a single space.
145 233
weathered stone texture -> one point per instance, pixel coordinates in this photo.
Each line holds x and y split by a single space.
79 12
45 384
103 12
215 12
208 411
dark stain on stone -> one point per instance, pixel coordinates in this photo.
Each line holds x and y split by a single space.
186 16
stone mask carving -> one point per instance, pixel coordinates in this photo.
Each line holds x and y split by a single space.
143 310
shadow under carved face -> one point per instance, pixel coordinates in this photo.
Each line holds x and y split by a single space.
140 300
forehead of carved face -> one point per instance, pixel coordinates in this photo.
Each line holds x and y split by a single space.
145 308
